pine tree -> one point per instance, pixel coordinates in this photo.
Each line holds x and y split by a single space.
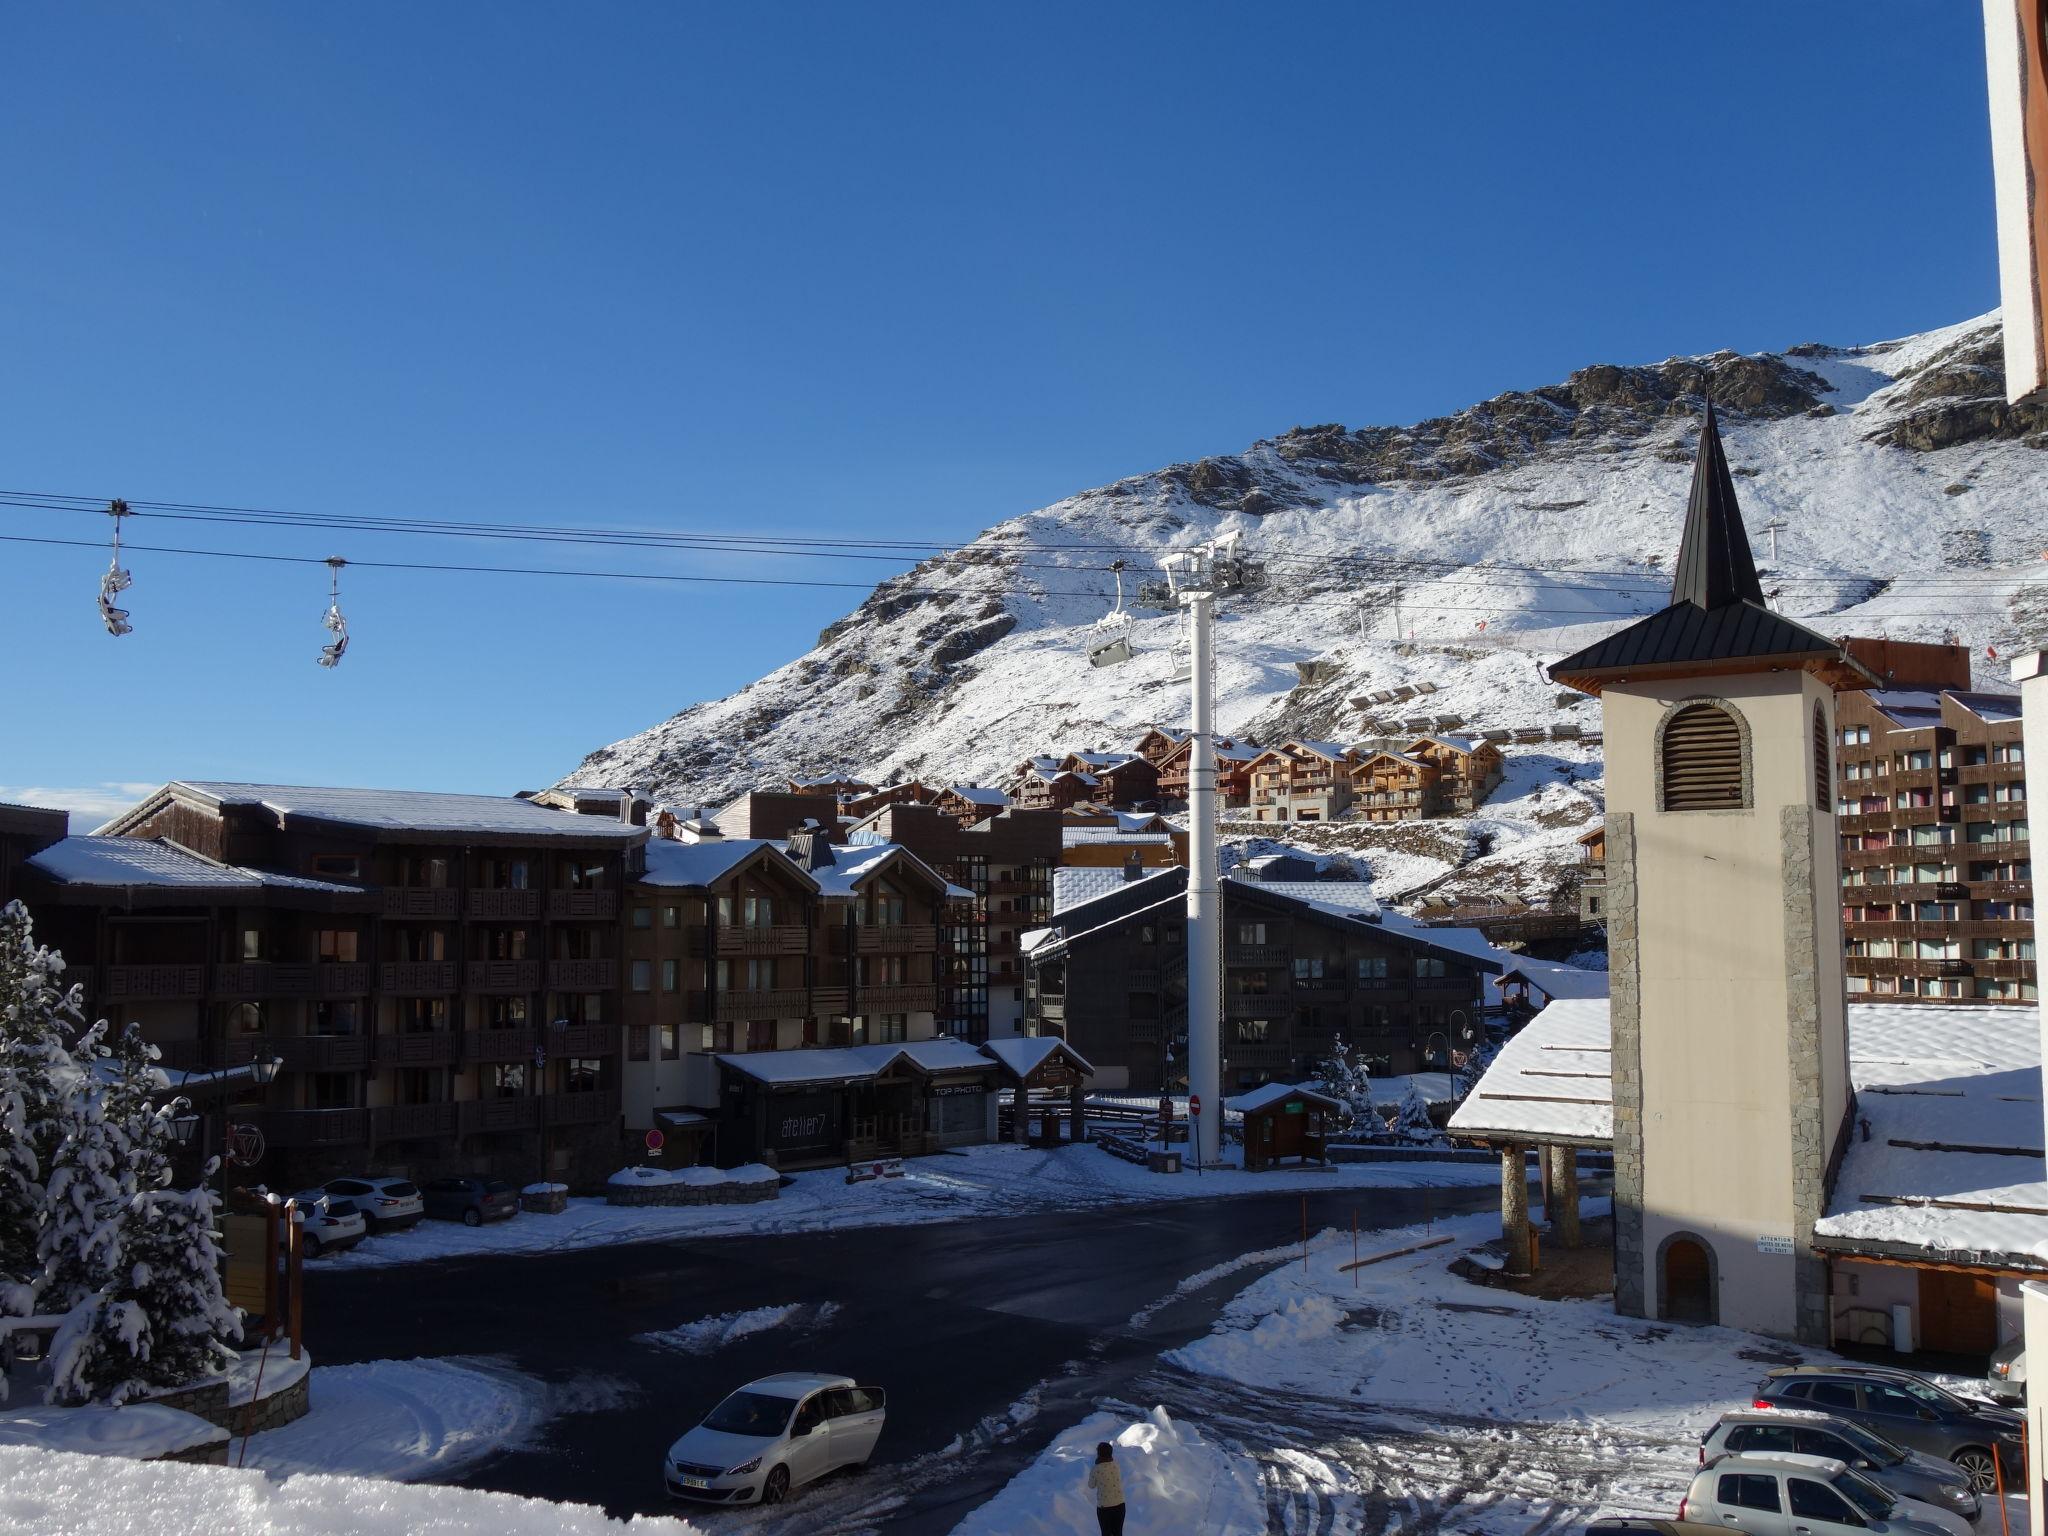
1411 1120
37 1018
88 1189
1345 1080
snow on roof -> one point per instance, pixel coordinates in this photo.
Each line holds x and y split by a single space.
135 861
1275 1093
1951 1164
1240 754
1074 887
1022 1055
1554 979
975 795
1553 1081
1031 938
852 865
1913 708
691 865
1465 744
1334 751
1074 836
406 810
1346 898
854 1063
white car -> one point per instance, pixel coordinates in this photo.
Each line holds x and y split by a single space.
773 1435
329 1224
2007 1381
385 1203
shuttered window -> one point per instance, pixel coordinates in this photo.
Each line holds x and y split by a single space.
1823 785
1702 760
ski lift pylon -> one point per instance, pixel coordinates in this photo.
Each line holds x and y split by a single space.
1110 642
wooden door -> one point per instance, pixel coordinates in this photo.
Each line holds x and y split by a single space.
1958 1312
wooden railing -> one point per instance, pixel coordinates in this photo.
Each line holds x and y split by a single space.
416 977
425 1048
504 905
421 901
515 1043
603 905
782 939
143 982
502 976
320 1053
313 1127
583 975
413 1122
257 978
911 937
783 1003
914 998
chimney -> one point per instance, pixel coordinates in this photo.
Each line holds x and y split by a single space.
809 847
633 806
1134 867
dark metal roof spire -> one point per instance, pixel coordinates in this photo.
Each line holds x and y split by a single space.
1715 567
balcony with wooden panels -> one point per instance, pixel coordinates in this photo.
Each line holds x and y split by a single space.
486 1045
501 977
312 1127
829 1000
584 1040
911 998
903 939
149 983
583 975
263 978
475 1116
581 1108
782 1003
597 906
504 906
1256 1005
2004 970
319 1053
414 1122
1257 954
421 901
1326 987
781 939
2001 890
420 1048
416 978
1992 773
1018 888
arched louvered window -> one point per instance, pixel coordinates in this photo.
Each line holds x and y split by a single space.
1700 759
1823 770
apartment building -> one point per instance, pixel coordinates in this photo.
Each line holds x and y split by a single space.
1234 761
1937 873
1302 781
436 974
1468 769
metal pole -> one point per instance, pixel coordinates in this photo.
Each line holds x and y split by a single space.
1205 904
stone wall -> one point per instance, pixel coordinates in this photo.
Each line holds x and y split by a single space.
1812 1138
1625 1015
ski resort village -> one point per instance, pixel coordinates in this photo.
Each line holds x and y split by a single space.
1469 978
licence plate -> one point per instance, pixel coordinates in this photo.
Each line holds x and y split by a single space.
696 1482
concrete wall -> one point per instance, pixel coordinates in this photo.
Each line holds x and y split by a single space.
1742 1042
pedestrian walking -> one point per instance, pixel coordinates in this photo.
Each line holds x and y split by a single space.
1107 1482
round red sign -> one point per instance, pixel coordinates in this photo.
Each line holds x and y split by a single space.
1194 1106
655 1140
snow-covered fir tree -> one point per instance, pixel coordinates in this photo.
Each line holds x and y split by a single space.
1345 1080
1474 1066
1411 1119
39 1018
87 1190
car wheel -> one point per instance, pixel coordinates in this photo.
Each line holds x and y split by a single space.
314 1247
1976 1463
776 1489
472 1217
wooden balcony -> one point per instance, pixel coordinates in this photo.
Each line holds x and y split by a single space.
581 1108
1257 954
783 1003
250 978
1914 778
498 1114
2001 890
148 983
1992 773
584 1040
2005 970
782 939
583 975
514 1044
422 901
416 978
1018 888
1256 1005
911 998
414 1122
424 1048
910 938
319 1053
504 906
829 1000
1141 981
313 1127
1325 986
501 977
599 906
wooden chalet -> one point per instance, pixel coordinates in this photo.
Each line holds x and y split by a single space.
970 803
1122 779
1392 786
1468 769
1234 761
1302 781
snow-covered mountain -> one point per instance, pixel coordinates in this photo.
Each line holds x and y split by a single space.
1907 492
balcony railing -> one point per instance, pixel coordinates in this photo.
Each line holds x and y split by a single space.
313 1127
582 1108
783 1003
140 983
898 940
513 1044
913 998
600 905
584 1040
504 905
416 978
319 1053
2008 970
1258 954
1255 1005
254 978
502 976
423 1048
421 901
782 939
829 999
507 1114
414 1122
583 975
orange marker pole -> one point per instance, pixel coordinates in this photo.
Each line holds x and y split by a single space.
1998 1481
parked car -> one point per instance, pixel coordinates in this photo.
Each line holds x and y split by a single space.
327 1224
1806 1496
773 1435
2007 1379
386 1204
1636 1525
1909 1474
1903 1407
469 1201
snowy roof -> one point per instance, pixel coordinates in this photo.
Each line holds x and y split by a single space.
412 811
1913 708
694 865
1073 887
1105 760
1465 744
1022 1055
1239 754
1992 708
841 878
1275 1093
1334 751
1951 1167
1553 1081
1346 898
1555 979
1073 836
975 795
135 861
854 1063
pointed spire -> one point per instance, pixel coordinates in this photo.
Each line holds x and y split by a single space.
1715 568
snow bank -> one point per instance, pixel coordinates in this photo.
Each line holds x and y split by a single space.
65 1495
702 1178
1174 1481
405 1419
545 1189
140 1430
711 1333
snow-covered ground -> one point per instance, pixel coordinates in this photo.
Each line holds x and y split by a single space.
999 1180
48 1493
709 1334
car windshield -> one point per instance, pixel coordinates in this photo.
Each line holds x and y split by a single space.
1875 1503
1934 1397
1872 1445
750 1413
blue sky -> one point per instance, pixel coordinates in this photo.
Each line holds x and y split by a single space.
857 271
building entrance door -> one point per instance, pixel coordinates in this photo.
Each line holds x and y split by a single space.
1688 1283
1958 1313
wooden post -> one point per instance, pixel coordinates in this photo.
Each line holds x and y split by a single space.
1077 1126
1514 1208
1304 1234
296 1270
1354 1248
1565 1186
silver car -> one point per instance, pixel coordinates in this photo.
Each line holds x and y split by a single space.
386 1204
1795 1495
2006 1381
1909 1474
774 1434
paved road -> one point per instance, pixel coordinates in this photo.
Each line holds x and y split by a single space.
960 1321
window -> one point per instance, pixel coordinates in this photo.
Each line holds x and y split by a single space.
643 917
671 973
890 1029
252 943
1823 790
636 1042
337 866
1254 1031
671 917
668 1041
338 945
1306 969
507 1080
760 1034
1750 1490
245 1019
1251 933
1372 969
341 1017
1761 1437
643 974
504 1013
1817 1501
1426 965
333 1090
1701 749
1831 1394
584 1074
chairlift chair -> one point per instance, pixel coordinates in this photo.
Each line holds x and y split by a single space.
1110 642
